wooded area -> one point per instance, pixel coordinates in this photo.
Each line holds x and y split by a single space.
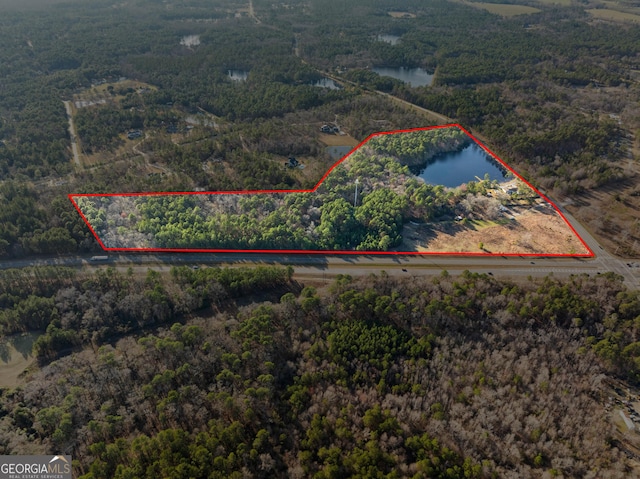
469 376
327 219
247 373
552 92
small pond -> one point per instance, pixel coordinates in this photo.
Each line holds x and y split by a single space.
190 40
456 168
327 83
413 76
390 39
238 75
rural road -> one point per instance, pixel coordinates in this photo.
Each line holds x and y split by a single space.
72 134
441 119
252 13
605 260
321 267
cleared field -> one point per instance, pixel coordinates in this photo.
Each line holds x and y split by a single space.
504 10
402 15
101 94
614 15
622 7
338 140
564 3
533 231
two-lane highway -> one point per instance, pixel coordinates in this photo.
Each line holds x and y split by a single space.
320 266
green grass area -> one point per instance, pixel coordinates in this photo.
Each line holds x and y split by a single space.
482 224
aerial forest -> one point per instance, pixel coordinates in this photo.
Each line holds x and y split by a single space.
445 376
193 370
551 92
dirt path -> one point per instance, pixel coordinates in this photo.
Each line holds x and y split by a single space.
147 163
441 119
252 13
73 134
296 48
438 117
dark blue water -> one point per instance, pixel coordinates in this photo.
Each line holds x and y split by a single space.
327 83
390 39
413 76
238 75
454 169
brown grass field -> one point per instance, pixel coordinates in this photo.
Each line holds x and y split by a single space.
402 15
503 9
614 15
15 358
338 140
533 231
564 3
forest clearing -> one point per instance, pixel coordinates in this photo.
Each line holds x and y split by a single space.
504 9
534 232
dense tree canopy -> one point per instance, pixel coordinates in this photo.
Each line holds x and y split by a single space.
456 377
237 372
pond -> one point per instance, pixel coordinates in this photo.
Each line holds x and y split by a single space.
459 167
337 152
199 119
390 39
238 75
413 76
327 83
190 40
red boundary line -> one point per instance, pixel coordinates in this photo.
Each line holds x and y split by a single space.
71 197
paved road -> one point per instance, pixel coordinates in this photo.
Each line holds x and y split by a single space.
604 260
325 267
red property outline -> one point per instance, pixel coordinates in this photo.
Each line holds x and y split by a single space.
332 252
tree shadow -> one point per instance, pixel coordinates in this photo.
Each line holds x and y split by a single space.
23 343
5 351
